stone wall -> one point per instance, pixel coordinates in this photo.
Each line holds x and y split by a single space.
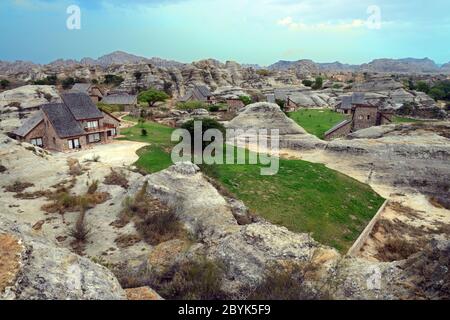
364 117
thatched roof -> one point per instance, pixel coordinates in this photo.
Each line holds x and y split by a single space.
81 106
29 124
62 120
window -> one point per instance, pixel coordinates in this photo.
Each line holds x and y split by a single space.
37 142
92 125
368 117
74 144
112 132
92 138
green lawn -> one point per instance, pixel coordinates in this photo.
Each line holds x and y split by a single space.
155 157
303 196
397 119
317 122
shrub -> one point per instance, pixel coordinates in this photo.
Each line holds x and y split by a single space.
116 178
246 100
193 280
2 169
285 283
191 105
263 72
214 108
93 187
4 83
397 249
112 79
423 86
307 83
68 82
154 221
80 232
318 83
18 186
47 81
144 132
75 168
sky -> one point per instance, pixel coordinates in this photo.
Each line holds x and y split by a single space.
246 31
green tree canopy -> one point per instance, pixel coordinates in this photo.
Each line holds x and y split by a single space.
318 83
4 83
423 86
152 96
307 83
246 100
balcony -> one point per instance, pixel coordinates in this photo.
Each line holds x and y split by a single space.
102 128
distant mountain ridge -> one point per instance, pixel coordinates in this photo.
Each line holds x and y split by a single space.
406 65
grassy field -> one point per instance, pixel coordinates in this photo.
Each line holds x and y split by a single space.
303 196
404 120
317 122
155 157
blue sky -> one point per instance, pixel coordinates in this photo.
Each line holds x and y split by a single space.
247 31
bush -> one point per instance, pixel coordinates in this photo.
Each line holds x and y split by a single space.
154 221
144 132
285 283
191 105
396 249
263 72
18 186
193 280
68 82
116 178
423 86
246 100
307 83
2 169
4 83
318 84
112 79
214 108
48 81
93 187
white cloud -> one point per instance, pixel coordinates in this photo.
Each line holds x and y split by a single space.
323 26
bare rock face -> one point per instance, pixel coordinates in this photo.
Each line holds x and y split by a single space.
414 156
37 270
247 251
268 116
29 96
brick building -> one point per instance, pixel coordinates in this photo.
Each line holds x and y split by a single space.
76 123
362 116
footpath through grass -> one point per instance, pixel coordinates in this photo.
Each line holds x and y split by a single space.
316 121
303 196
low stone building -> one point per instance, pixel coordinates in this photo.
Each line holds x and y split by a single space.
127 102
362 116
74 124
198 93
95 92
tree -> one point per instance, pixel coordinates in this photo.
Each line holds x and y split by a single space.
437 93
423 86
207 123
307 83
191 105
318 83
246 100
68 82
4 83
152 96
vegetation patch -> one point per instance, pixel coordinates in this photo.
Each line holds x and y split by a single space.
286 283
18 186
154 221
315 121
116 178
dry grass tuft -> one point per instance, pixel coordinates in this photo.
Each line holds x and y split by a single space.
396 249
18 186
155 222
75 169
129 240
116 178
